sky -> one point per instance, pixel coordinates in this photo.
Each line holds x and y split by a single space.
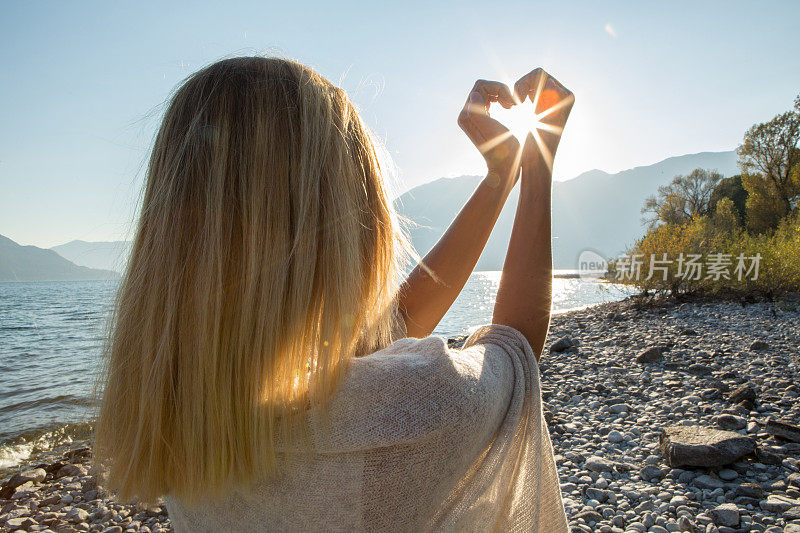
84 85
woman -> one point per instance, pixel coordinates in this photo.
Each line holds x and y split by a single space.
265 372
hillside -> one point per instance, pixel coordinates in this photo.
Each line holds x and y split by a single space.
595 210
30 263
103 255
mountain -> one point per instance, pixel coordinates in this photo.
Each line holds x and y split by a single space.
595 210
111 255
29 263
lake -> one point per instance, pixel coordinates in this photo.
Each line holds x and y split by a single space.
51 336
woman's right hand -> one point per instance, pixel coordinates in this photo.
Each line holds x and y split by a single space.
553 104
496 143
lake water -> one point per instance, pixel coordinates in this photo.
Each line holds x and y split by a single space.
51 335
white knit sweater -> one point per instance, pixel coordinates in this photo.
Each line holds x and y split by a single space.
422 438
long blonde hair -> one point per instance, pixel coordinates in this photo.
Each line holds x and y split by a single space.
265 257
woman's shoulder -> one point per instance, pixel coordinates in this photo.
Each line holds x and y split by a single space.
416 388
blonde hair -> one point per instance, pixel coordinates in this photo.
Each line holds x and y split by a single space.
265 257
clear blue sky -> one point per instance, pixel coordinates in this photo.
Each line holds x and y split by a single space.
83 84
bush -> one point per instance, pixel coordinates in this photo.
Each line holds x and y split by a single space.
714 255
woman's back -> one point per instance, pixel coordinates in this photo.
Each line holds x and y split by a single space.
422 438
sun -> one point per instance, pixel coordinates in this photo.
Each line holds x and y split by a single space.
519 119
522 119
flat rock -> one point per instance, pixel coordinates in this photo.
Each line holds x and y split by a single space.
598 464
783 429
699 446
776 503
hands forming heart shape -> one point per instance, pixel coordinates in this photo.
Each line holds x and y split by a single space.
552 103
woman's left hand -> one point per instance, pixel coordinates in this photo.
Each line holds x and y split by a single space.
498 146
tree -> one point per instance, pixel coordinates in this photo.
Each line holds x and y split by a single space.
726 218
770 160
765 210
682 198
731 188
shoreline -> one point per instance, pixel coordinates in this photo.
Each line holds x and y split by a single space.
605 411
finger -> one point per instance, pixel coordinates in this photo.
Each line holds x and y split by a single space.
476 122
554 102
527 84
494 91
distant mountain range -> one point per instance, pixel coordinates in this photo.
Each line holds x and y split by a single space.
30 263
108 255
595 210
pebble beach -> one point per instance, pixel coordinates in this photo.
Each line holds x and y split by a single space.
673 417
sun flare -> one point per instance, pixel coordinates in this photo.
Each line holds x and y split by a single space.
519 119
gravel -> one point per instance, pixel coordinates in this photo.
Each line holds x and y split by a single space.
718 366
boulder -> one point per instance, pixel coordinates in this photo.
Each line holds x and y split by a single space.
783 429
699 446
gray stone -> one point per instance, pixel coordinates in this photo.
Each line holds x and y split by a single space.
615 436
750 490
730 422
726 514
684 524
727 474
36 475
708 482
759 345
652 472
651 355
619 408
589 516
71 470
698 446
598 464
776 503
562 345
792 513
699 369
783 429
78 515
745 393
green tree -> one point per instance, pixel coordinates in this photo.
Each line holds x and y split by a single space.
682 198
731 188
770 160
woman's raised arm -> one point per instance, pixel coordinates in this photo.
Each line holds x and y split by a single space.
524 296
435 283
